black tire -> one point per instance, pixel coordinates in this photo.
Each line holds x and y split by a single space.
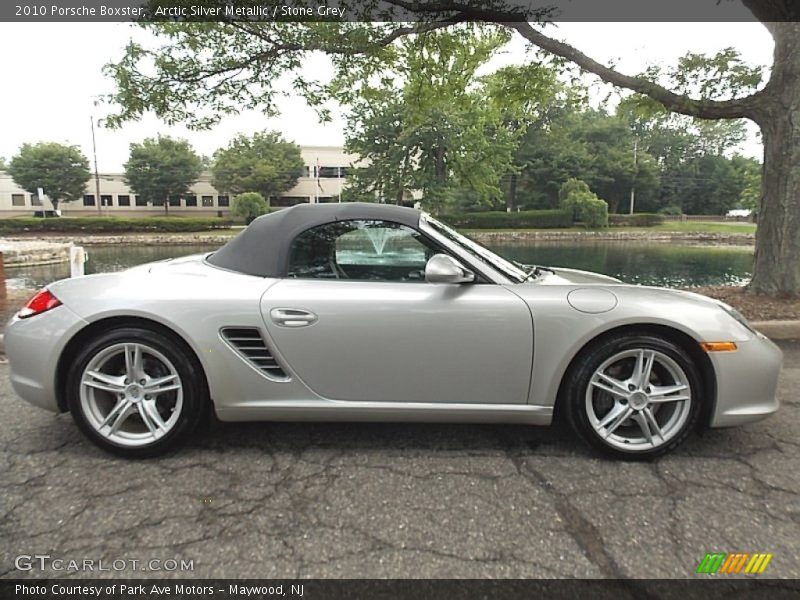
574 398
195 400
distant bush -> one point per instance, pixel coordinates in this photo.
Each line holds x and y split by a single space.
249 205
635 220
670 210
583 204
592 211
112 224
528 219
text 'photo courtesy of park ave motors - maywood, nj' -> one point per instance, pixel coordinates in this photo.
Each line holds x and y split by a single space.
193 11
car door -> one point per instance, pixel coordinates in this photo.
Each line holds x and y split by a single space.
355 320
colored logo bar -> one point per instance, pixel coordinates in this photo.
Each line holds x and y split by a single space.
734 562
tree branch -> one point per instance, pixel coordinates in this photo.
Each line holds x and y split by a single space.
704 109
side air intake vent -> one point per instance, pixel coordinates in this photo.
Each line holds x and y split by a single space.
248 342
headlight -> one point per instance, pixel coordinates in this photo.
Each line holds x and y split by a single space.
737 316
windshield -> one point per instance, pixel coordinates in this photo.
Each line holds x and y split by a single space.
483 254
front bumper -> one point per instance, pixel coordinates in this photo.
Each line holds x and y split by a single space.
33 347
747 381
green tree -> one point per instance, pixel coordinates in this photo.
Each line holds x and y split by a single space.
62 171
426 121
576 196
265 163
162 168
207 70
249 205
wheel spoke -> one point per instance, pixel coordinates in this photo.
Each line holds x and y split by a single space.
133 362
643 367
162 384
651 419
663 390
114 412
150 417
112 383
664 399
612 382
610 390
644 426
612 421
123 415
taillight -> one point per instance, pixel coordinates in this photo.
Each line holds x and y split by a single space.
41 302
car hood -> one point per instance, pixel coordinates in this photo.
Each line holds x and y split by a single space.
561 276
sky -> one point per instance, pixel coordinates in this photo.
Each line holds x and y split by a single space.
52 74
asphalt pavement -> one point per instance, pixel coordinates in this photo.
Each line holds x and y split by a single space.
396 500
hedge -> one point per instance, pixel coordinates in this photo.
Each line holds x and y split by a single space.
112 224
635 220
543 219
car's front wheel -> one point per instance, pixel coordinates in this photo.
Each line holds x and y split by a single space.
135 392
634 396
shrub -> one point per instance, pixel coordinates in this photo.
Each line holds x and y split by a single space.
635 220
592 211
672 209
575 197
112 224
545 219
249 205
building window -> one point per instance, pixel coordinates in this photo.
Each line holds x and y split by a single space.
222 201
18 199
139 201
105 200
35 200
208 201
344 171
123 200
325 199
159 202
191 200
281 201
88 200
329 172
174 200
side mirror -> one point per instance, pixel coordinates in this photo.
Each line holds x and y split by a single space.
442 268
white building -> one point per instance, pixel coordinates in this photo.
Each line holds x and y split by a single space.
323 180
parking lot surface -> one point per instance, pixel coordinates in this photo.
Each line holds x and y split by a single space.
398 500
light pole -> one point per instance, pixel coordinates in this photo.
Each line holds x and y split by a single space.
633 184
96 173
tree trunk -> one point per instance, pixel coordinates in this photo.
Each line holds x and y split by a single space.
777 261
511 201
166 205
54 202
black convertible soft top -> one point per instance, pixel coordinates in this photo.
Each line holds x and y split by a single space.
262 249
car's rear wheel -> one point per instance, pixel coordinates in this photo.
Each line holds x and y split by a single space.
633 396
135 392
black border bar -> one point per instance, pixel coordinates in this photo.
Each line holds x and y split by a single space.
706 588
64 11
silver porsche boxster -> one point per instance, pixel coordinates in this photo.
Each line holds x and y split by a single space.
370 312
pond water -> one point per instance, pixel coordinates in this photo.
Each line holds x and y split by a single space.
649 264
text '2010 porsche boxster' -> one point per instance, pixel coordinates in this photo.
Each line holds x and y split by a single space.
369 312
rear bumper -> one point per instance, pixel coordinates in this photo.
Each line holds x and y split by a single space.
747 381
33 347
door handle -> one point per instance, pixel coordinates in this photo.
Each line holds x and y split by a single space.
292 317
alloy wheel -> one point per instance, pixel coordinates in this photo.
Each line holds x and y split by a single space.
638 400
131 394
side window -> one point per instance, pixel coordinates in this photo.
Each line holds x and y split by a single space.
360 250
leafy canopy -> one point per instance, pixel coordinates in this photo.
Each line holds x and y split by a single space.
249 205
162 168
61 170
264 163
